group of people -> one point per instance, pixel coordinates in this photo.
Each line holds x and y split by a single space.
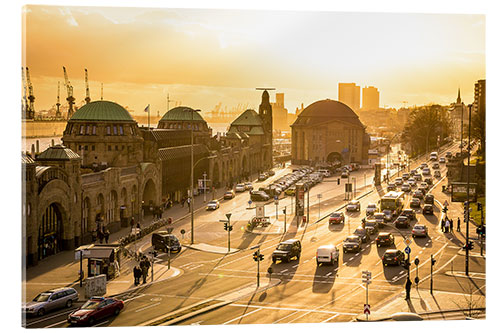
141 270
103 234
447 225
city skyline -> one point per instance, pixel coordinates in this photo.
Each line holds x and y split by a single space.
236 52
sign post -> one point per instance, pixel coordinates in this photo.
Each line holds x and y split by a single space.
276 203
367 278
319 205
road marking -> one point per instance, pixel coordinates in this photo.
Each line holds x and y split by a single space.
295 266
47 318
147 307
291 309
329 274
104 322
197 323
132 298
291 314
326 320
58 323
239 317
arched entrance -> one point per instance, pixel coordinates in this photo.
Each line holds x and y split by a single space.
50 231
334 157
149 197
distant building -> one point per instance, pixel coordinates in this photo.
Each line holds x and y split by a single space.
459 115
280 114
371 98
329 131
349 95
480 96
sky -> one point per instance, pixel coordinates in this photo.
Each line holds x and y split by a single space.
201 57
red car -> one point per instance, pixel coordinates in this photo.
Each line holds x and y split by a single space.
337 217
94 309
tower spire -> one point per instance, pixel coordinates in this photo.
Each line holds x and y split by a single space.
459 100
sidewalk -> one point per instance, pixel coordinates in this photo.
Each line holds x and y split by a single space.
438 306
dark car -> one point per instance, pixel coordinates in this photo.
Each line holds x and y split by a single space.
429 199
428 209
428 181
409 213
415 202
352 244
393 257
362 233
391 187
271 173
337 217
287 250
371 226
418 194
163 241
406 176
258 196
385 239
94 309
435 166
402 222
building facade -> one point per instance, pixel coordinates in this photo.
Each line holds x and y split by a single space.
280 114
329 131
371 98
349 95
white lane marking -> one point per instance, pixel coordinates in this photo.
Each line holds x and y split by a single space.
328 319
290 309
306 260
284 270
58 323
132 298
104 322
197 323
351 258
239 317
295 266
329 274
283 318
47 318
147 307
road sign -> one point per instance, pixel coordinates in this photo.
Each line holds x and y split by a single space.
170 229
407 241
446 204
367 309
183 231
249 202
275 197
320 196
407 250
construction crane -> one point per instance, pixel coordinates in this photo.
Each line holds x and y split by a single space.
30 114
58 104
87 90
101 90
168 102
70 98
24 101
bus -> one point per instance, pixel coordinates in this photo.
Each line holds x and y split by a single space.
392 201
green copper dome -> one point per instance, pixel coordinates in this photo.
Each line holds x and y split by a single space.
182 113
102 111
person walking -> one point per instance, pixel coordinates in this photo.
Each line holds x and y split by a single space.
442 225
451 225
458 224
447 226
408 289
145 267
132 223
137 275
106 235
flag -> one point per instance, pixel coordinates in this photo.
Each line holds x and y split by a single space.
146 109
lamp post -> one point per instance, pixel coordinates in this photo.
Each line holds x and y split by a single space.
191 204
468 201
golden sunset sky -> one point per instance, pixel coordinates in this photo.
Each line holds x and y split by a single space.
205 56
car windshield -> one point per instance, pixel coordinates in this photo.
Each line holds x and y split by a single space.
43 297
359 231
371 206
391 254
212 203
336 215
402 218
351 239
90 305
284 247
370 223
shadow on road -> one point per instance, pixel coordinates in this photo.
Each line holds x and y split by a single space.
324 278
391 272
351 259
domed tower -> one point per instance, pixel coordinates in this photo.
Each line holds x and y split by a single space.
104 134
266 114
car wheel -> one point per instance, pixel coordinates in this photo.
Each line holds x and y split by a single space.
117 311
345 251
274 261
69 303
287 259
41 312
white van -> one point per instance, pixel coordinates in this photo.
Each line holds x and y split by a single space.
434 156
325 173
327 254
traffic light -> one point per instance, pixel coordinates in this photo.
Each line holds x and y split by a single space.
155 253
445 209
417 261
406 264
366 277
338 181
433 261
284 210
261 257
471 245
226 226
256 256
479 206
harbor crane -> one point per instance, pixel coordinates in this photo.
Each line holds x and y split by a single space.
58 104
87 90
24 101
70 98
30 113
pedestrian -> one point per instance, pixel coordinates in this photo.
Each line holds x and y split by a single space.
451 225
182 202
137 275
132 223
138 226
408 288
106 235
145 267
447 226
100 236
442 225
458 224
189 203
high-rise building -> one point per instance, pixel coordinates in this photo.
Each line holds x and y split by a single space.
349 95
280 114
480 96
371 98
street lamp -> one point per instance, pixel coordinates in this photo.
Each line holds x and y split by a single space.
191 204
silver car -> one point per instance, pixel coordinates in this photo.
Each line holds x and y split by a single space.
51 300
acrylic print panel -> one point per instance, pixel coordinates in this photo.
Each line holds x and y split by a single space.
128 112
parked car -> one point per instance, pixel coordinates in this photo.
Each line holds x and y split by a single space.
258 196
419 230
448 154
385 239
352 244
387 215
423 165
415 202
213 205
248 186
402 222
337 217
94 309
424 185
262 177
429 181
271 173
393 257
362 233
398 181
391 187
240 188
287 250
412 182
164 241
51 300
437 173
418 177
327 254
345 174
435 166
229 195
353 206
409 213
429 199
428 209
371 226
371 209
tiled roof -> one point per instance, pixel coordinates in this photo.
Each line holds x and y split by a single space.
26 159
173 153
248 118
182 113
56 153
102 111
